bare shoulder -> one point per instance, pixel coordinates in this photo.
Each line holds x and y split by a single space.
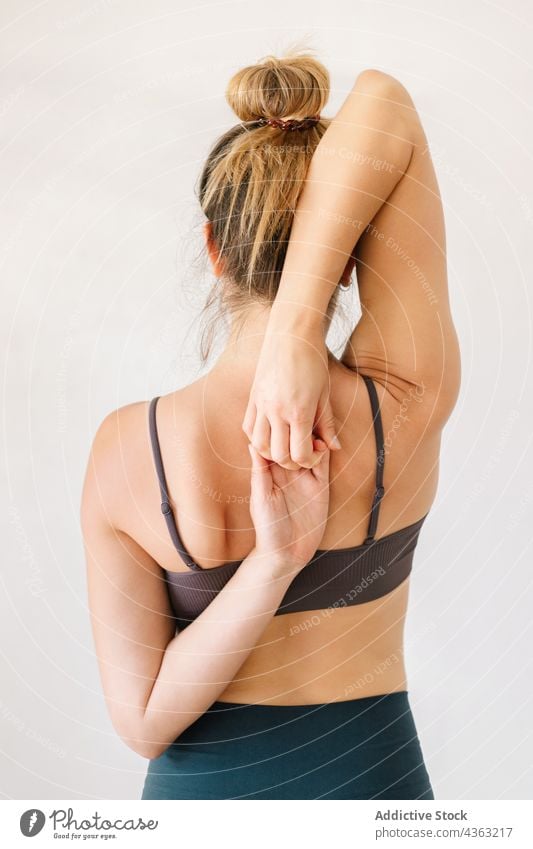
120 464
120 430
117 447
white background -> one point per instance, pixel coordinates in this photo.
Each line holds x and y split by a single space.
107 110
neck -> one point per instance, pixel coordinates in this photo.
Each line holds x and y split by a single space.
246 336
238 360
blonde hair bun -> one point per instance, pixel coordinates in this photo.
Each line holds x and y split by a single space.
254 174
295 86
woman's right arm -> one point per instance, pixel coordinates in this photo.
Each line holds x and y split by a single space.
404 336
156 682
342 193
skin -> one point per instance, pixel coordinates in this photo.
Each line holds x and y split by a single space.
371 180
157 683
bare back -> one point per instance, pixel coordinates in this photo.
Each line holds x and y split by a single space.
309 657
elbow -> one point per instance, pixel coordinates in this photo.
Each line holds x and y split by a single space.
372 76
138 738
145 748
382 85
143 736
150 752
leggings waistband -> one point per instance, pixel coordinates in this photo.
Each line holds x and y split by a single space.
357 749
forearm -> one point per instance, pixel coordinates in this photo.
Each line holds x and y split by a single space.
358 162
201 661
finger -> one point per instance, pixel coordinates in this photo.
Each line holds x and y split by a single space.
261 436
286 479
249 419
321 468
301 443
318 452
325 427
279 444
261 474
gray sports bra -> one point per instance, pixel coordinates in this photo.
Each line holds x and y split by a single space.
338 577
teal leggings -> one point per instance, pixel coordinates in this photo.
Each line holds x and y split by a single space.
358 749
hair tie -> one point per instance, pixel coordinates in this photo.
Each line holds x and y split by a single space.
290 124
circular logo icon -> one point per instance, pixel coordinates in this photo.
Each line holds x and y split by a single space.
32 822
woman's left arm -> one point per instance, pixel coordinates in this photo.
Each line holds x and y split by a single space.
156 682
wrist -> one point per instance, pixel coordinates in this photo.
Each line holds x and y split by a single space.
289 315
273 565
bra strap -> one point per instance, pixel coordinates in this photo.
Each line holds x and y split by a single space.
379 491
166 508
